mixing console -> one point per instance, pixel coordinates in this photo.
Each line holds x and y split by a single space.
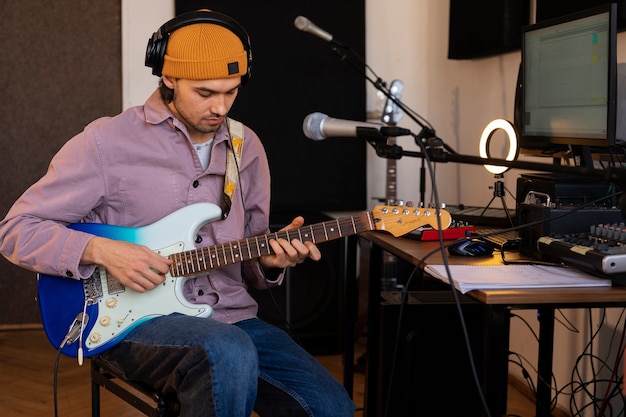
601 251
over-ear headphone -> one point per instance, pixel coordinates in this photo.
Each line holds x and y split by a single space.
157 44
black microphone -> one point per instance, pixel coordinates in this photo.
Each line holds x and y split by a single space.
305 25
318 126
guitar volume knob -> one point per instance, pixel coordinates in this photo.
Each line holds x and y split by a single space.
95 337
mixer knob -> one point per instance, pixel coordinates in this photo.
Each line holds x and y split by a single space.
602 247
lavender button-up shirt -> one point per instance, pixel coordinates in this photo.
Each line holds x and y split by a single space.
132 170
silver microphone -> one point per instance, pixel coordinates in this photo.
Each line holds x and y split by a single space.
318 126
305 25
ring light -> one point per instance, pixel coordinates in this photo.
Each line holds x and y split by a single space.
485 140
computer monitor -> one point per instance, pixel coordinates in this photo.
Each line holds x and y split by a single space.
567 91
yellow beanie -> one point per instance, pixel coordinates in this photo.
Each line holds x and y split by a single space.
204 51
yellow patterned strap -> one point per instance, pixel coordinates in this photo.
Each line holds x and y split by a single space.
232 164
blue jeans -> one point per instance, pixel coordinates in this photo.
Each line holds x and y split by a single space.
226 370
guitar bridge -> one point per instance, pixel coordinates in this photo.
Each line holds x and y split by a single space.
92 287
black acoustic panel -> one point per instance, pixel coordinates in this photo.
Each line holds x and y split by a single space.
548 9
482 28
310 302
295 74
61 69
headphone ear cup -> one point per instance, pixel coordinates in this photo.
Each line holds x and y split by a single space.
149 59
155 53
248 74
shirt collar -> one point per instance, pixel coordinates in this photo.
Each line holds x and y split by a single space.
157 112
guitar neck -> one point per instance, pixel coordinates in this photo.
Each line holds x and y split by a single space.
391 178
201 260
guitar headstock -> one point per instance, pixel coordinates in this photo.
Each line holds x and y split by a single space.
400 220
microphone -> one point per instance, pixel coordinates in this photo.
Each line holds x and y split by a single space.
305 25
318 126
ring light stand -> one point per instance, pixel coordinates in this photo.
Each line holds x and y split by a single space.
498 171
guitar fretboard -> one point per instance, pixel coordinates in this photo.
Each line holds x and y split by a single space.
391 177
200 260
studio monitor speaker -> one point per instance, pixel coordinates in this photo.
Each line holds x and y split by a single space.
483 28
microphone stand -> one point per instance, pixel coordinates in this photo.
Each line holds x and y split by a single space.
427 132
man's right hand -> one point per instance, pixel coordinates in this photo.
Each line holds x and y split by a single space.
134 266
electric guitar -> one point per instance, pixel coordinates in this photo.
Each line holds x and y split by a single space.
98 312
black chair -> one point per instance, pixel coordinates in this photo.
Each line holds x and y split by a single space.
145 399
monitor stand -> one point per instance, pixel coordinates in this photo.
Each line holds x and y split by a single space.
582 156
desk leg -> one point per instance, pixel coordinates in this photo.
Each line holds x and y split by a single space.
544 361
350 293
371 406
495 359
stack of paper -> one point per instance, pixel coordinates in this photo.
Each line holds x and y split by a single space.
467 278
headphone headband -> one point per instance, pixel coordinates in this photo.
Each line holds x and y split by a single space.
157 44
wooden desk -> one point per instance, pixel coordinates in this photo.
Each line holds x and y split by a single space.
497 325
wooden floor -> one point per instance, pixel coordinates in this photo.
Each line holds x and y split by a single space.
27 364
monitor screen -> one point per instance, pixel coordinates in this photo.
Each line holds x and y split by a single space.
568 81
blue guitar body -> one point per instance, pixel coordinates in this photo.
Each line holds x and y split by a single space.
112 309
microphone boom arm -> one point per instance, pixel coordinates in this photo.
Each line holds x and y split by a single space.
436 153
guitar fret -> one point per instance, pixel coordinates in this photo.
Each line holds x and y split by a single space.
222 255
248 246
204 259
233 249
198 260
189 263
211 257
232 255
266 245
216 257
258 246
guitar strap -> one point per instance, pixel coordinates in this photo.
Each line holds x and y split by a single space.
233 160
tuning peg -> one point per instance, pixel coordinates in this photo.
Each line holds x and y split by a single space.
409 204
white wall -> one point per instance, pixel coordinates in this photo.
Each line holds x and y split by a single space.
408 40
140 19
